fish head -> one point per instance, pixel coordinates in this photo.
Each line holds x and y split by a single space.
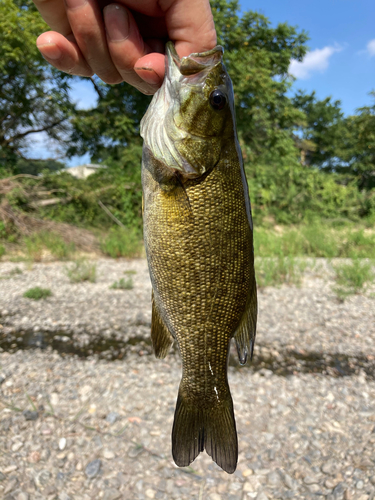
192 115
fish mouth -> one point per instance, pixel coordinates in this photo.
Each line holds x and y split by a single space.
194 63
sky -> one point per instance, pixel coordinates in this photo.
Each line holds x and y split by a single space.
340 62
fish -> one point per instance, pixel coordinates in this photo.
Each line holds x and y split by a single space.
198 235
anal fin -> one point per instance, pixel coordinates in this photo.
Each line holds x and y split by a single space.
160 335
246 330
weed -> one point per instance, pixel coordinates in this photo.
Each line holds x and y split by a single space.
130 272
315 240
2 250
123 284
278 270
37 293
81 270
37 243
353 278
11 273
122 243
15 271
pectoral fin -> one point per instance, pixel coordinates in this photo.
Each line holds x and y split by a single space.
160 336
246 330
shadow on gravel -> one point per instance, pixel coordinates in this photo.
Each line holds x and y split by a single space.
291 362
283 363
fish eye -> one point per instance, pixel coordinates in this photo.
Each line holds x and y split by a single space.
217 100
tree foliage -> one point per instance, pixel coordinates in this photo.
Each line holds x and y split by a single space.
336 143
302 155
33 96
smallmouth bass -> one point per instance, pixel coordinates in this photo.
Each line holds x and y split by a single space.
198 236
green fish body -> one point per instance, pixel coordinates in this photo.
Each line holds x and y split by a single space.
199 244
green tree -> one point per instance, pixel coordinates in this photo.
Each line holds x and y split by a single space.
322 131
258 57
33 96
357 149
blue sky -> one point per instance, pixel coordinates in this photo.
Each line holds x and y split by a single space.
341 61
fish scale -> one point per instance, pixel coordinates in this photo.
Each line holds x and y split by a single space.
198 239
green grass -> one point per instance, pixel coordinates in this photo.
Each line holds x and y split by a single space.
274 271
37 293
353 278
11 273
123 284
38 243
122 243
130 272
2 250
318 239
81 270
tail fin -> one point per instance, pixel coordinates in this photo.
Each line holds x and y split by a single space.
213 429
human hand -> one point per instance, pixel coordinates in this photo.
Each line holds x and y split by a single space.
123 41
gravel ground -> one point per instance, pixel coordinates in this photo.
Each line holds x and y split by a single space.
88 415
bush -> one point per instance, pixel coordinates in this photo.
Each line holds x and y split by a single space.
318 239
353 278
275 271
123 284
122 243
37 293
81 270
37 243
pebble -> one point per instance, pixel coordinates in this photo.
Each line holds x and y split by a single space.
30 415
108 454
329 467
359 485
111 494
262 496
215 496
247 472
62 443
93 468
10 468
2 476
12 483
273 479
150 493
301 422
64 496
17 446
54 399
112 417
22 496
311 479
34 457
42 478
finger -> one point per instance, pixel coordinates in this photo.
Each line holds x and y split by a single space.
63 54
126 46
190 24
87 25
54 14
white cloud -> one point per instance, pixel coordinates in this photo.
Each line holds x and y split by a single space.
371 48
316 60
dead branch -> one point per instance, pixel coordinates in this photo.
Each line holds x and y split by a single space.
115 219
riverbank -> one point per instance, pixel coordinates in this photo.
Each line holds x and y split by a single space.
88 414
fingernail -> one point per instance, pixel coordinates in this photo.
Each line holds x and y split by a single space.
49 51
148 75
116 22
73 4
